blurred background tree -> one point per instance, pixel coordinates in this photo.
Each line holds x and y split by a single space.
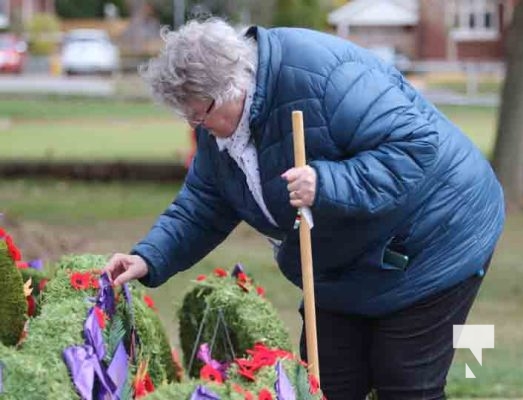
88 9
303 13
508 152
43 32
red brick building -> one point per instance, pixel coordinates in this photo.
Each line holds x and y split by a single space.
21 11
444 30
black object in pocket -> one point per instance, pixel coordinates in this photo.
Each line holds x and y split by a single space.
394 260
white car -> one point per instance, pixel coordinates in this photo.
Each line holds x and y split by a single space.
87 51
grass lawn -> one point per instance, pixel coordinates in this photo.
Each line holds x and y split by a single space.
106 218
87 129
486 83
478 123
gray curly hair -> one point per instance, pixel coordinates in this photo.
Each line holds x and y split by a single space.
202 60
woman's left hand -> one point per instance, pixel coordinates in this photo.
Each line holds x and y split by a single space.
301 185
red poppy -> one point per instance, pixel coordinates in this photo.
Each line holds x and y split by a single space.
247 364
81 281
314 385
262 355
265 394
242 277
220 272
143 387
286 355
208 373
247 374
247 368
200 277
100 316
94 282
260 290
149 301
31 306
15 253
261 359
266 358
242 280
22 265
42 284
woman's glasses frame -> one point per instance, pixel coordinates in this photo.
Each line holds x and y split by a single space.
199 121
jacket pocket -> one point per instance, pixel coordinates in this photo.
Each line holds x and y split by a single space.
388 256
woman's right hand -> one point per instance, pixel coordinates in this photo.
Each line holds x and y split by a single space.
122 268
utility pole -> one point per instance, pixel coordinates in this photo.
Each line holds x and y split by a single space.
178 13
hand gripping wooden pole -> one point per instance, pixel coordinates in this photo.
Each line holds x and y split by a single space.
306 256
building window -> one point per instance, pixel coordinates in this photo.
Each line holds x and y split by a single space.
488 20
474 19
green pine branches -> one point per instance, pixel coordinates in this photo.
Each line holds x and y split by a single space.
13 305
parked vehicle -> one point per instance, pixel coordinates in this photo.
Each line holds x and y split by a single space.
89 51
12 53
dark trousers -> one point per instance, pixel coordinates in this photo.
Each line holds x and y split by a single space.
405 355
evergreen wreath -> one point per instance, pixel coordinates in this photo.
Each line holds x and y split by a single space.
13 304
241 346
229 312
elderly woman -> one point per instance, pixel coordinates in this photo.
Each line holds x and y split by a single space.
407 211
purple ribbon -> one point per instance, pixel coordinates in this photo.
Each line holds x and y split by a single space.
106 299
238 268
85 362
202 393
85 368
36 264
118 369
93 334
283 387
204 355
127 293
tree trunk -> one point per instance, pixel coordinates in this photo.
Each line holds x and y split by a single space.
508 152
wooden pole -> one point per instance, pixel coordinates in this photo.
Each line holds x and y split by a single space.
306 256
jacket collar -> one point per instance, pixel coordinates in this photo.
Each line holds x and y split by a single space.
269 59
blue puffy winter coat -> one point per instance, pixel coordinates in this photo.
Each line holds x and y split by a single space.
394 175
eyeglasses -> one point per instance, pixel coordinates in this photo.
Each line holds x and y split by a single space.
193 121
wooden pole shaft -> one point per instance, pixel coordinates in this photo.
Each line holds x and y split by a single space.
306 256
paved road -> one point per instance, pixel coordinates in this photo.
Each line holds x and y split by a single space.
96 86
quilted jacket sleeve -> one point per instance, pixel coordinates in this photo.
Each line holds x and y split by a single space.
193 225
389 145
